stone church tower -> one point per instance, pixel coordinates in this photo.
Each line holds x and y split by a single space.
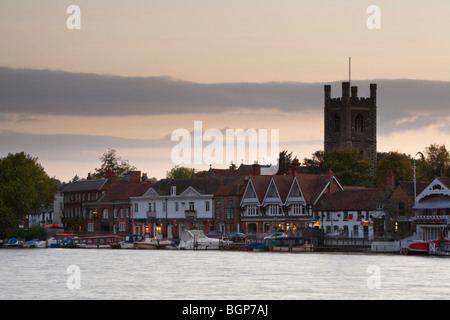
351 122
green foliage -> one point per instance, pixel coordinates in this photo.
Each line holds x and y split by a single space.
399 163
179 172
36 232
110 161
434 163
25 187
350 167
284 162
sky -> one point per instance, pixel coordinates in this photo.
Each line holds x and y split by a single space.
138 70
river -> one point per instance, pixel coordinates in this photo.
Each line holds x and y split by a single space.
197 275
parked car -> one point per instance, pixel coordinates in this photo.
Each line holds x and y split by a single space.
236 237
275 235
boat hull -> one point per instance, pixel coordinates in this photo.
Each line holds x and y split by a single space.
152 244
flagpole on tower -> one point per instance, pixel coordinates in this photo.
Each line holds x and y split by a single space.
349 68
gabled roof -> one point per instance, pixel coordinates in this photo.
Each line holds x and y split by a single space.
438 187
259 185
282 184
312 186
85 185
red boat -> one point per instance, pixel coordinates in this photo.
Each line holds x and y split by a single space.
424 248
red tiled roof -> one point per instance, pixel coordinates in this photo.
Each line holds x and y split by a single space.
358 199
125 191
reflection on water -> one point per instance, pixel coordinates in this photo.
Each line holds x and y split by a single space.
169 274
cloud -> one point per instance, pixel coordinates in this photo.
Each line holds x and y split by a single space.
72 147
402 104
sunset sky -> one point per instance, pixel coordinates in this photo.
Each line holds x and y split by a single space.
138 70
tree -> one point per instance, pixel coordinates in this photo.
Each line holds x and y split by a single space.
350 167
110 161
179 172
435 163
284 162
399 163
315 164
25 187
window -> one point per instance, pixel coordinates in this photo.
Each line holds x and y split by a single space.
336 124
90 227
191 206
274 210
136 207
115 213
105 213
230 212
176 206
121 213
252 211
207 206
297 209
359 124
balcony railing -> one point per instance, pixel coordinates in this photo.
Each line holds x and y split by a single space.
190 213
425 219
151 214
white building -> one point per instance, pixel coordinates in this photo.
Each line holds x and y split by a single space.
173 205
351 213
432 210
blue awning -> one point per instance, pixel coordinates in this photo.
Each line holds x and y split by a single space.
433 203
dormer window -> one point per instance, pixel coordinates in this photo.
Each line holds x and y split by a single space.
173 190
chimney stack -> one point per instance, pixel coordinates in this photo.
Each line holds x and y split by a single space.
390 179
295 167
256 169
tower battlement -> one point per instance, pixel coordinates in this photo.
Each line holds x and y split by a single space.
350 121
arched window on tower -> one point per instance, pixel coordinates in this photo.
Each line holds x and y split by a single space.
336 124
359 123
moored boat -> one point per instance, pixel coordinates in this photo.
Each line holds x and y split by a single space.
197 240
13 243
290 244
35 243
152 243
130 240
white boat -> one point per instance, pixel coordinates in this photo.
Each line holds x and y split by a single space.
35 243
152 243
130 240
197 240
